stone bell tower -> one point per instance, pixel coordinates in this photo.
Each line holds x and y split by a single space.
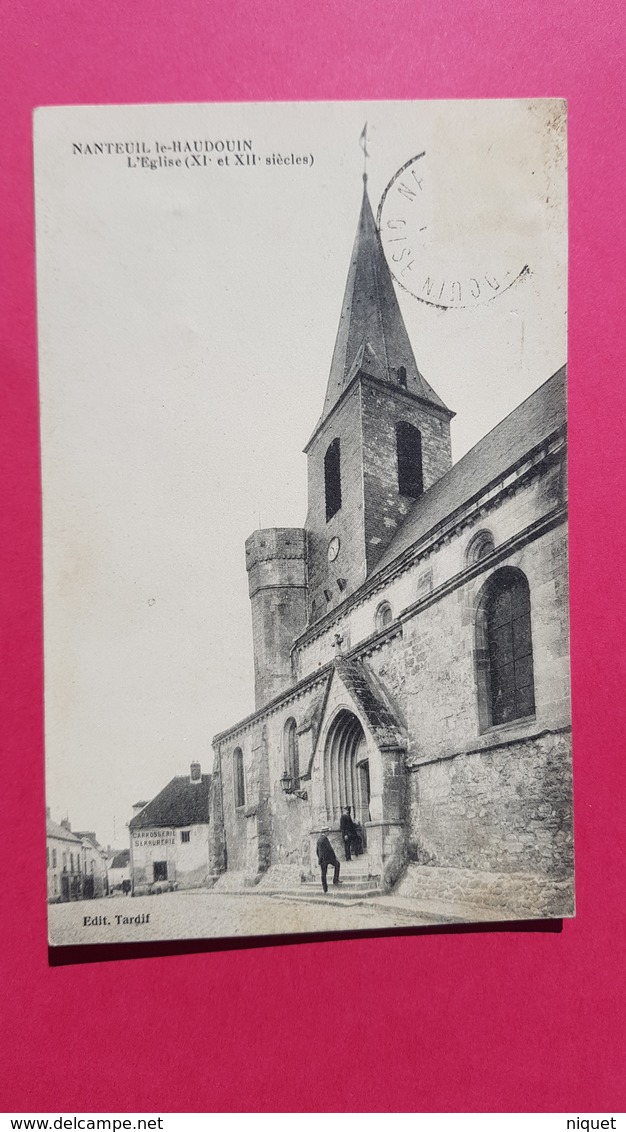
383 438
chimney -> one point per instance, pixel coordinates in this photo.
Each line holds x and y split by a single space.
48 812
196 773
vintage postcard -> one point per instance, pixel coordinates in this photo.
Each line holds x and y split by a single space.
303 420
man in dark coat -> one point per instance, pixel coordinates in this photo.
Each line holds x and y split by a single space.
349 833
326 856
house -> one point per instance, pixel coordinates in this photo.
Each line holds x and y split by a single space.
94 865
169 836
64 862
118 871
76 863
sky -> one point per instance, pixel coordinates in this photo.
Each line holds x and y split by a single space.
187 316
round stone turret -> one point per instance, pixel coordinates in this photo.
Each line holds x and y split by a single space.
277 581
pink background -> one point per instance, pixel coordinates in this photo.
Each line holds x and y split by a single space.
446 1021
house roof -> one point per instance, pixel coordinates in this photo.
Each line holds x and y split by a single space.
182 802
60 832
510 441
88 835
121 860
372 338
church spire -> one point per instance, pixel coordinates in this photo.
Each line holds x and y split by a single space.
372 338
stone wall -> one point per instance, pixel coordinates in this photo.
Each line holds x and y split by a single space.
276 565
383 407
347 523
441 558
507 808
272 827
372 508
435 680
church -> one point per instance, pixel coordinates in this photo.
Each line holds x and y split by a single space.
411 641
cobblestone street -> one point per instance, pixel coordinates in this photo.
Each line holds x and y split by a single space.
200 915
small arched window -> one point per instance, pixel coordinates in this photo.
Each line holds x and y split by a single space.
292 760
239 780
402 376
479 546
504 651
384 615
332 478
409 455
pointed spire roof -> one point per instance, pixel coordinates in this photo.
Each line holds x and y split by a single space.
372 337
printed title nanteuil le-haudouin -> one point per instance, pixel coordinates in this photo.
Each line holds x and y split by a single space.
411 647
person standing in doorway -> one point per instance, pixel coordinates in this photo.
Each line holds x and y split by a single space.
348 832
326 856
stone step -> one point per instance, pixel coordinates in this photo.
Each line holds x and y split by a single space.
336 894
350 880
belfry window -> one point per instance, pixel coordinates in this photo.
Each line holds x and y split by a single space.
504 651
409 454
402 376
332 478
239 778
292 759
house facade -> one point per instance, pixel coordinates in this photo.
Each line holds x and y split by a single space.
64 862
118 871
94 863
76 864
411 641
169 836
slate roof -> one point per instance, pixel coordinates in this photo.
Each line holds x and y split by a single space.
60 832
121 860
510 441
180 803
372 337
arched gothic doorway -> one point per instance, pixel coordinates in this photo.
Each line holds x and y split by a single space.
346 769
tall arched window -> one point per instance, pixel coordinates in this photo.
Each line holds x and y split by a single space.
332 478
504 651
409 453
384 615
239 778
292 759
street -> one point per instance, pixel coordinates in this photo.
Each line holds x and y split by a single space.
204 914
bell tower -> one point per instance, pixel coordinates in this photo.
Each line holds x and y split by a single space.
383 438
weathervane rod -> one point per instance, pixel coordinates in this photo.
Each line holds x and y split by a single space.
363 144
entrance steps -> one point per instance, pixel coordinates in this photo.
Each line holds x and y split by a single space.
423 894
356 882
431 894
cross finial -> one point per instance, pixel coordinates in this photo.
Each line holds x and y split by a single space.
363 144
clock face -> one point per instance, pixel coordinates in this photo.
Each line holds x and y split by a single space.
333 549
451 237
